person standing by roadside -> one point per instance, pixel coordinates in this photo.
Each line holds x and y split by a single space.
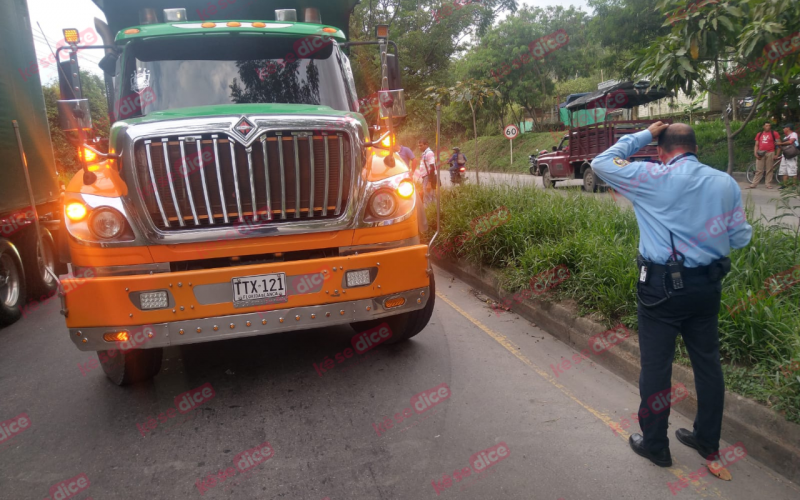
764 151
406 154
698 209
790 145
427 170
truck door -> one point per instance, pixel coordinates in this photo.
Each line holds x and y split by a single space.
561 166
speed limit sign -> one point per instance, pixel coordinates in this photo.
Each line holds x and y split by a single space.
511 132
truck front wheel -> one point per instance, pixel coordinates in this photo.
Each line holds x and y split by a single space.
39 282
129 367
12 283
589 181
406 325
547 181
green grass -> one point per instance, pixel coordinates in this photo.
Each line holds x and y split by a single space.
597 241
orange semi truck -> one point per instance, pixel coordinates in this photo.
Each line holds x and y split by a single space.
241 193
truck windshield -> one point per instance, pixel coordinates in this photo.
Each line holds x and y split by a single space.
164 74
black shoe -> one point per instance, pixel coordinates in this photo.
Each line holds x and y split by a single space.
662 458
686 437
782 187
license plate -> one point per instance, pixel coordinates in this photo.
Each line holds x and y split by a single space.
259 290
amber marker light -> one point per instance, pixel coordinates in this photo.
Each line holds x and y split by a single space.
329 30
131 31
72 36
405 189
89 155
387 141
116 337
396 302
259 25
234 24
208 25
76 211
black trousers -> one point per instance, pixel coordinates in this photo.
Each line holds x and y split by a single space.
693 312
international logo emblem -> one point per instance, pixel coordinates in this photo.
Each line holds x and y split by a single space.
244 127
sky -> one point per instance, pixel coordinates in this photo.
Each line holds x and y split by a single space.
54 15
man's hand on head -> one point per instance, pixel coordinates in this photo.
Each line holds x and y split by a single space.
656 128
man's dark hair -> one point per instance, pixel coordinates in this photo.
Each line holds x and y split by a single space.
790 126
677 136
424 142
767 122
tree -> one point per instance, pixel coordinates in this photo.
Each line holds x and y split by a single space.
472 92
708 37
525 74
623 27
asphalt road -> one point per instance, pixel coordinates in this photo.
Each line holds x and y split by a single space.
764 201
325 430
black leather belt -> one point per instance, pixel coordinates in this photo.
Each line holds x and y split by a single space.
686 271
715 271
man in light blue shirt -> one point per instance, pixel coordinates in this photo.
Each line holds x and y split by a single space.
690 217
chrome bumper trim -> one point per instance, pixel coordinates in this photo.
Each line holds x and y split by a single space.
106 271
378 247
261 323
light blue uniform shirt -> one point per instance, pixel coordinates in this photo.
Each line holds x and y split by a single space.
701 206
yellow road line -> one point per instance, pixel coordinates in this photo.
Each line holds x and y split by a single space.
678 471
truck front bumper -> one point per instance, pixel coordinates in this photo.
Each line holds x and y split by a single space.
249 324
201 307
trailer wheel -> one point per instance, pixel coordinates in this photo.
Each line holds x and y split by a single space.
39 282
406 325
589 181
12 283
546 179
129 367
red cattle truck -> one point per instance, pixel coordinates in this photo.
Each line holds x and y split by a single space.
573 156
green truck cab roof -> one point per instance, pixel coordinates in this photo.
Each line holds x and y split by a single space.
216 28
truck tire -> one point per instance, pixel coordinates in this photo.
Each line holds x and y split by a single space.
134 365
40 284
589 181
406 325
12 283
547 181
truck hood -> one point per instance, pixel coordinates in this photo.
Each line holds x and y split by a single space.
244 109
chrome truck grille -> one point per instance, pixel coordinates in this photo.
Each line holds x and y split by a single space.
211 180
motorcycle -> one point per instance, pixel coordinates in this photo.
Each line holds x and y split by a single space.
533 160
458 176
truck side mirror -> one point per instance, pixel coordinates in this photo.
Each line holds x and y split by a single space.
555 148
74 115
393 64
394 100
109 63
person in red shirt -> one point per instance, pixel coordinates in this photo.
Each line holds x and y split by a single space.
764 151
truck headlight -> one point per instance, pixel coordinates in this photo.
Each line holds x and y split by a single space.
389 201
383 204
106 223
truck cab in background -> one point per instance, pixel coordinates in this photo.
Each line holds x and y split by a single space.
241 193
26 149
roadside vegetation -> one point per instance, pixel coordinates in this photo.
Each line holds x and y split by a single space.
597 241
494 149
